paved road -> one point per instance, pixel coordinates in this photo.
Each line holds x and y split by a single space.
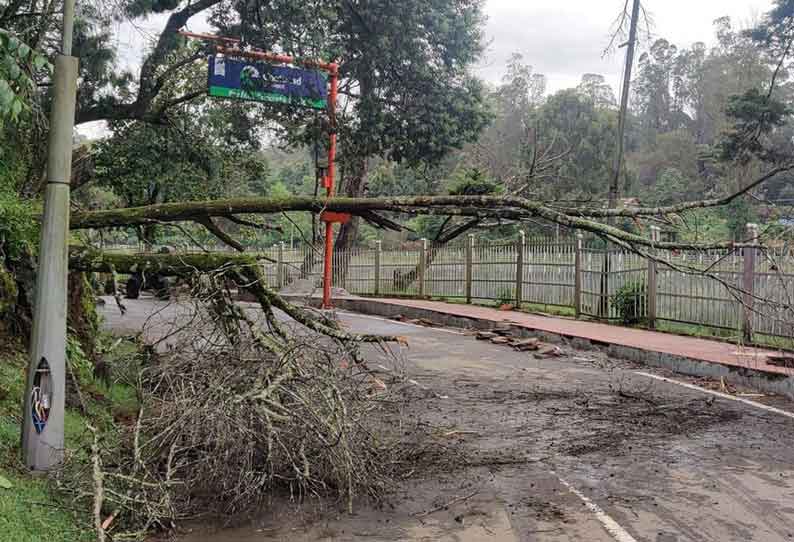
575 448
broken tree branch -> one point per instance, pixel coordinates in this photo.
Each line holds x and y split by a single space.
215 230
500 207
188 265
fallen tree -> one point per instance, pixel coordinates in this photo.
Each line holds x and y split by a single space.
307 399
476 209
510 208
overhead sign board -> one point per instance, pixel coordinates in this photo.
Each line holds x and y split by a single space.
258 81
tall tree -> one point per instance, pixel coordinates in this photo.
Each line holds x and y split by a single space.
510 149
595 88
406 91
583 140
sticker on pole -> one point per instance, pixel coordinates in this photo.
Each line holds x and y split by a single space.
257 81
41 396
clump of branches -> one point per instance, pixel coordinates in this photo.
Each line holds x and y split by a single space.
237 404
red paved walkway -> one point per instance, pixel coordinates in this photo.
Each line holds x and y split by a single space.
691 347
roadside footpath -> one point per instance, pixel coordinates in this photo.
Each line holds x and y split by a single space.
735 364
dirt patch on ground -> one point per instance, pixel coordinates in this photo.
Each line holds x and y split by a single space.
493 422
614 426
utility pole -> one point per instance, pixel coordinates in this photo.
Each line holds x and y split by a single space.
43 404
614 187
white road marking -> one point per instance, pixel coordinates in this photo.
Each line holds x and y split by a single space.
719 394
612 527
358 315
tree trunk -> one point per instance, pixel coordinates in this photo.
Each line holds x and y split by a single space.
355 181
442 238
354 186
480 207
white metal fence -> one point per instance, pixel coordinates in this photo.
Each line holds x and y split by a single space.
712 289
750 293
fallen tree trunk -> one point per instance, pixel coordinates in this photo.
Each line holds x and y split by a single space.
475 207
245 270
466 205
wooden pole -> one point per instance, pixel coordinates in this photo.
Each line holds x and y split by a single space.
280 281
422 268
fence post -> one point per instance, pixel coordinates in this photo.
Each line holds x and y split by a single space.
522 241
378 249
577 276
748 280
603 289
280 265
469 257
422 268
652 274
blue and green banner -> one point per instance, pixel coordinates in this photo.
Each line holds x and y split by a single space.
262 82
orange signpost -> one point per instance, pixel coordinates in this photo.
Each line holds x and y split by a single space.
231 48
329 218
329 186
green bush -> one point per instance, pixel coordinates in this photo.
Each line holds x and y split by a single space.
19 228
631 302
505 296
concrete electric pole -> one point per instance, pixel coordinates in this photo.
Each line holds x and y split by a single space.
43 409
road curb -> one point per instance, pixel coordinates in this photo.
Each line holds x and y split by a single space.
769 382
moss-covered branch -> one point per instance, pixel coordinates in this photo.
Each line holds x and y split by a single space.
478 207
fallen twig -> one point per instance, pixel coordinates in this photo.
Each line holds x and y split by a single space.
98 477
446 505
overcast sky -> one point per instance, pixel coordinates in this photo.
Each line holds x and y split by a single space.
565 38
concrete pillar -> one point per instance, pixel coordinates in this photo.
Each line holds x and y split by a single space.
469 261
577 275
522 241
652 279
43 405
749 257
378 253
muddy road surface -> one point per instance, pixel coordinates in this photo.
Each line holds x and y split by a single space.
578 447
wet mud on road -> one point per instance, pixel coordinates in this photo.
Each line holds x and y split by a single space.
578 447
